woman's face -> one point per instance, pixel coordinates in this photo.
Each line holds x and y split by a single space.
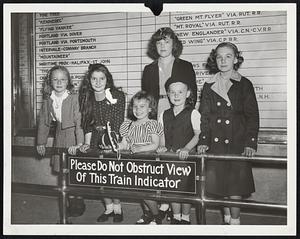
164 47
225 59
59 81
98 81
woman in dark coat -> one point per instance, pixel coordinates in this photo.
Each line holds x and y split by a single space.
229 125
165 48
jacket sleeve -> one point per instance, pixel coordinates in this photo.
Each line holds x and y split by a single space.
192 76
88 129
205 109
145 80
251 114
43 126
77 120
119 112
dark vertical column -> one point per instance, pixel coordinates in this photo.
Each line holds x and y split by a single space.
14 68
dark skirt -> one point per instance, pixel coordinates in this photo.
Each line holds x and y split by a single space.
229 178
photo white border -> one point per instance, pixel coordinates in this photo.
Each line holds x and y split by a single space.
96 229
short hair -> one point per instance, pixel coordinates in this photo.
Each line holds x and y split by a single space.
47 85
211 64
152 105
189 102
162 33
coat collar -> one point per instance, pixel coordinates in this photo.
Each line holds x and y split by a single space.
221 85
57 105
234 76
64 95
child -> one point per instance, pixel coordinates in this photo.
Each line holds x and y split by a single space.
100 102
61 106
229 125
181 131
141 134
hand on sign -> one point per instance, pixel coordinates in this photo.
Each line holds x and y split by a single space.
135 148
41 149
183 153
83 148
202 149
72 150
161 149
248 152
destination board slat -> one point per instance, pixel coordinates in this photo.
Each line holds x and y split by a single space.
119 40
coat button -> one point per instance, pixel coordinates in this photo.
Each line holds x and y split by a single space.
218 103
226 141
203 137
228 104
253 139
219 121
216 139
227 121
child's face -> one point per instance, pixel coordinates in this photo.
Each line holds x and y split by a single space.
141 109
59 81
164 47
98 81
225 59
178 93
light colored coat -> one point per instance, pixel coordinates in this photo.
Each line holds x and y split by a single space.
71 120
68 132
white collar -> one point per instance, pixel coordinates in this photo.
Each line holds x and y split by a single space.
109 97
53 96
221 85
234 76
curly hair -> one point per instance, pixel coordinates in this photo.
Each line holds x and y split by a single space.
47 85
162 33
146 96
211 64
87 96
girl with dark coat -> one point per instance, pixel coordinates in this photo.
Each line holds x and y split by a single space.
229 125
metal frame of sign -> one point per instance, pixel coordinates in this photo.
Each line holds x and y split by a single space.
133 188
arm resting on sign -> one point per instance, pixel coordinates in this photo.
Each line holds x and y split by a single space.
87 140
149 147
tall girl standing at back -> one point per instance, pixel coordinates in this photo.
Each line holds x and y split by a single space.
229 125
165 48
61 106
100 102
